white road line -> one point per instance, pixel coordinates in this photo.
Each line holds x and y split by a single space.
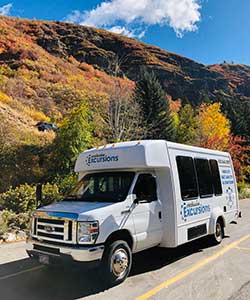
21 272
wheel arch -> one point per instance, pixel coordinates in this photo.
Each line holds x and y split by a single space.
216 215
121 234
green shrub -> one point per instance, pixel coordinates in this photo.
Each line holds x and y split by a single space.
10 220
66 183
3 224
22 199
244 193
241 186
50 193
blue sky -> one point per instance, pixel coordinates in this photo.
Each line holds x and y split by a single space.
208 31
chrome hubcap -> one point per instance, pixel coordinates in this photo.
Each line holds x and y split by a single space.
119 262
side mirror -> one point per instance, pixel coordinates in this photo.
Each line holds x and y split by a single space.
136 201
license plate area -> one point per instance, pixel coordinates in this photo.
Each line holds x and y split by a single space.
43 259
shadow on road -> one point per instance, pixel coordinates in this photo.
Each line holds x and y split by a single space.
157 258
62 283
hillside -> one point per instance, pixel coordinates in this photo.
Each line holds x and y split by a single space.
181 77
45 67
36 85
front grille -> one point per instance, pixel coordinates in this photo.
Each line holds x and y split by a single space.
51 221
53 236
57 229
52 229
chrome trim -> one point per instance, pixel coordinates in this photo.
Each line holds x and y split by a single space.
52 225
49 232
66 230
74 232
77 253
64 234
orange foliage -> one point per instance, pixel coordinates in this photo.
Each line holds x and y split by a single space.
238 149
175 106
36 78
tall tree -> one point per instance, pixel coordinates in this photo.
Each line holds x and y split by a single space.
154 106
238 112
74 136
187 125
122 117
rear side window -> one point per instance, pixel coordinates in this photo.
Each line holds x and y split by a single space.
204 177
215 177
187 177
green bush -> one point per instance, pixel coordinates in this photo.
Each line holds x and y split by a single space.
50 193
22 199
66 183
241 186
244 193
3 224
10 220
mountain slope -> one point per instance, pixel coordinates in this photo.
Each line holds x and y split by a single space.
36 85
181 77
46 67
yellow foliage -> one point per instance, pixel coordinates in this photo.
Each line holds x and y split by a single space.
35 115
18 106
5 98
212 122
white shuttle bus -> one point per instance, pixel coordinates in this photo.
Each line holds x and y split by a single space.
132 196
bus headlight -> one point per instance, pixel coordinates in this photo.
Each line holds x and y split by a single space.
87 232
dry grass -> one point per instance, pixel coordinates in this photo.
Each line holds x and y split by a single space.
17 127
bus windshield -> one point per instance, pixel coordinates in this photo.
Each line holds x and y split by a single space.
102 187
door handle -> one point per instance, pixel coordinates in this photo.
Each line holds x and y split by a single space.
125 211
159 215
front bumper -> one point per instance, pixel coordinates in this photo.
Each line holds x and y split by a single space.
72 253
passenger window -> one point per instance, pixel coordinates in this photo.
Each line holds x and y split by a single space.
187 177
204 178
215 177
145 188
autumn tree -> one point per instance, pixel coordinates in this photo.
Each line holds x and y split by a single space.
156 113
215 134
74 136
239 150
212 123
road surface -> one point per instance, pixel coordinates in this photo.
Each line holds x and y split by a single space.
193 271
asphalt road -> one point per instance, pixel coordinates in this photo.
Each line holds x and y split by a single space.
193 271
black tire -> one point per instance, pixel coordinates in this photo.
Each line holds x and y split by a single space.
218 235
116 263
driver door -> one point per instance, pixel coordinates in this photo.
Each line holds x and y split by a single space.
147 213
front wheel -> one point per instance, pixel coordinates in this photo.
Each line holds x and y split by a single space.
116 263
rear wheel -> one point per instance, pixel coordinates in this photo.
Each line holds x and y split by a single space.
219 232
116 263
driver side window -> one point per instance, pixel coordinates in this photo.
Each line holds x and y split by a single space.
145 188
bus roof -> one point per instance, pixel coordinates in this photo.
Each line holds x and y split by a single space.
133 155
